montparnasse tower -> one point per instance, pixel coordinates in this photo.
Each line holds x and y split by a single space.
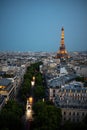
62 53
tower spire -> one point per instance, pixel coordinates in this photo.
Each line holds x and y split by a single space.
62 35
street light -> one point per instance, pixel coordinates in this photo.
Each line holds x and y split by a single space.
30 100
43 100
29 114
29 111
32 83
33 78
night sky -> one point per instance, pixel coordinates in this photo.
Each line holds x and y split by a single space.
35 25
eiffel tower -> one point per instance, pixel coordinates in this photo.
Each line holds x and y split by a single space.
62 53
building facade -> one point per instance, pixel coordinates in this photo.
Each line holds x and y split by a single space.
7 89
72 99
73 115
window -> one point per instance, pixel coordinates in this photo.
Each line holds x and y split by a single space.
53 94
83 114
77 114
69 113
73 113
54 91
64 113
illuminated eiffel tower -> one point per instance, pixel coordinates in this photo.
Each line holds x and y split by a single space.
62 53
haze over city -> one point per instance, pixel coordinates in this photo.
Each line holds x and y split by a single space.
35 25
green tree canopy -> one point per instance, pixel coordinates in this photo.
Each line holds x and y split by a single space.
39 92
46 117
10 116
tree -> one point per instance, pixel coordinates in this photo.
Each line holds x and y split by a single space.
39 92
39 79
10 116
46 117
10 120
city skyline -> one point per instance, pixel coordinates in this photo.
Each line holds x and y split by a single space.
29 25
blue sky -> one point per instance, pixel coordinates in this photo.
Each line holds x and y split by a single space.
35 25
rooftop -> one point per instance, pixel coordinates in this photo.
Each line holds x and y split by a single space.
59 81
4 82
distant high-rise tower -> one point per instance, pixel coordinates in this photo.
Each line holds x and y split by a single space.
62 53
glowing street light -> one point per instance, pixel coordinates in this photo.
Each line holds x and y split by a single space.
29 114
33 78
30 99
29 111
32 83
43 100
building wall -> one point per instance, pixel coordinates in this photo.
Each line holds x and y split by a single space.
8 92
74 115
2 101
52 93
81 71
74 94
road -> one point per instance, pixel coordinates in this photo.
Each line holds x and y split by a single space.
29 111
